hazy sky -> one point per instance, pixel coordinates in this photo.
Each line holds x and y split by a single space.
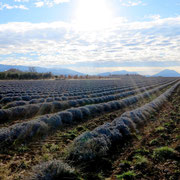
91 36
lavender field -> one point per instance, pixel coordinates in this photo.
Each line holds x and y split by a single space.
78 129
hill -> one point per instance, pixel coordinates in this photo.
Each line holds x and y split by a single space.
167 73
123 72
55 71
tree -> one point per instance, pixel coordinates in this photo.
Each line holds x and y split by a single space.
32 69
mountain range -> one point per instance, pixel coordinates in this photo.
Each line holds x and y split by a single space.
164 73
59 71
55 71
167 73
123 72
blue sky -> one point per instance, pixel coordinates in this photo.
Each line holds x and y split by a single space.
91 36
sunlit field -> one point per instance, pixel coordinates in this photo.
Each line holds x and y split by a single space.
89 90
89 129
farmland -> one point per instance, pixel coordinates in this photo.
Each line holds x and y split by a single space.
90 129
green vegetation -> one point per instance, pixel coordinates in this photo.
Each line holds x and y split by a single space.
16 74
159 129
126 175
140 161
163 153
142 151
22 148
178 137
126 163
154 142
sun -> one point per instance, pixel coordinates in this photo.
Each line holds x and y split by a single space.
93 14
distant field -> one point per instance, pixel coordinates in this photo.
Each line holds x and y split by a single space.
90 129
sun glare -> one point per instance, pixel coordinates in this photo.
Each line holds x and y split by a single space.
93 14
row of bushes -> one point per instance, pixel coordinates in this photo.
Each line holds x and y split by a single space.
97 143
31 110
70 91
24 132
58 97
17 101
10 97
24 75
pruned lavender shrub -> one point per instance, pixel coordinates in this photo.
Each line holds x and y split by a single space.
53 122
6 100
66 117
85 112
26 98
89 147
49 99
52 170
72 103
106 107
56 106
14 104
45 108
77 114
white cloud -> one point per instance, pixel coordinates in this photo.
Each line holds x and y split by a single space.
58 43
51 3
60 1
132 3
39 4
36 3
7 6
21 0
153 17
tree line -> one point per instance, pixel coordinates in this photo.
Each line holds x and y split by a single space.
17 74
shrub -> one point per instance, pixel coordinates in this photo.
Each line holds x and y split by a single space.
49 99
106 107
66 117
13 104
18 112
56 106
92 109
26 98
53 122
140 161
53 170
128 122
45 108
6 100
85 112
159 129
72 103
4 115
77 114
88 147
31 110
164 153
34 101
126 175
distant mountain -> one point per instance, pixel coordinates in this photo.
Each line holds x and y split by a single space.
123 72
167 73
55 71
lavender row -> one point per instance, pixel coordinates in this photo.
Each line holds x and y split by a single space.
38 99
24 132
49 97
31 110
98 142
